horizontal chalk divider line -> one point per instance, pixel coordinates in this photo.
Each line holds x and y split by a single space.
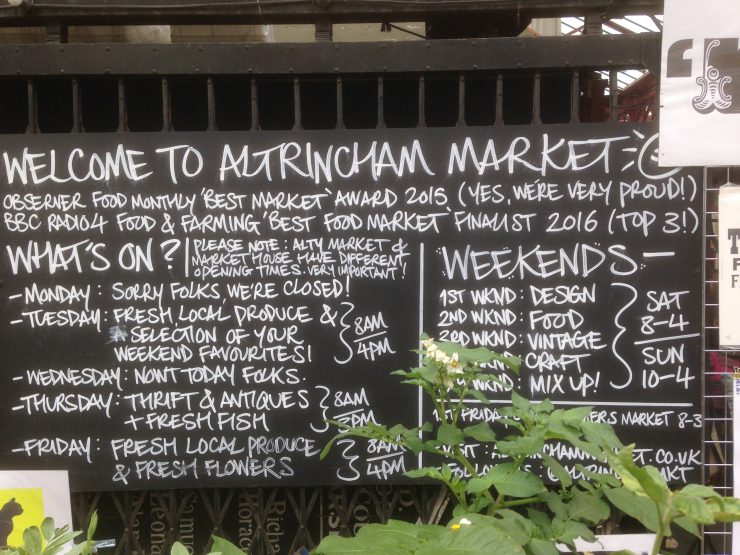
671 338
585 403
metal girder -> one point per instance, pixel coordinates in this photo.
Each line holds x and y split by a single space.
33 12
616 51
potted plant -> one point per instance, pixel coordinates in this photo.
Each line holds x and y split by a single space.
506 507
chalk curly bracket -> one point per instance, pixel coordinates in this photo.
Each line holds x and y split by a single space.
622 331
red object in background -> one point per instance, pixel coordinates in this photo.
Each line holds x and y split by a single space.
637 102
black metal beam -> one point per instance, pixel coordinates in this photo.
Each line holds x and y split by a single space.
615 51
71 12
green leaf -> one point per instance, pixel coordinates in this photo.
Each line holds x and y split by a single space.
544 407
555 504
694 507
541 521
588 508
414 444
424 472
508 480
92 526
449 434
601 480
506 421
726 509
527 446
571 530
429 372
602 434
473 539
47 528
576 416
395 535
59 540
508 515
641 480
337 545
480 432
479 396
542 547
689 525
225 547
520 402
641 508
561 475
699 491
179 549
32 540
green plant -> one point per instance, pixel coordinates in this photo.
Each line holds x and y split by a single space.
647 497
47 540
220 546
508 500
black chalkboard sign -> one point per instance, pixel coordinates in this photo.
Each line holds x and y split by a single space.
187 309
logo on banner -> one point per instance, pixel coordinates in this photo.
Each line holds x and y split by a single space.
718 86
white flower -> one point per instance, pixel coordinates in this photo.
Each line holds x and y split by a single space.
465 522
453 365
442 357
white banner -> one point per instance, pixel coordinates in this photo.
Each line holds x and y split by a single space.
736 454
700 83
27 497
728 240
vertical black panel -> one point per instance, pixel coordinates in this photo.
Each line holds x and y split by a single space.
555 97
480 99
518 99
144 103
13 106
189 103
233 106
99 98
360 100
318 103
54 105
275 101
441 100
401 101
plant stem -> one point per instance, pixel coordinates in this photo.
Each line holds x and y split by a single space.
519 502
659 534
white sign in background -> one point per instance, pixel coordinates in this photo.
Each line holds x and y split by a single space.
728 242
700 83
54 485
